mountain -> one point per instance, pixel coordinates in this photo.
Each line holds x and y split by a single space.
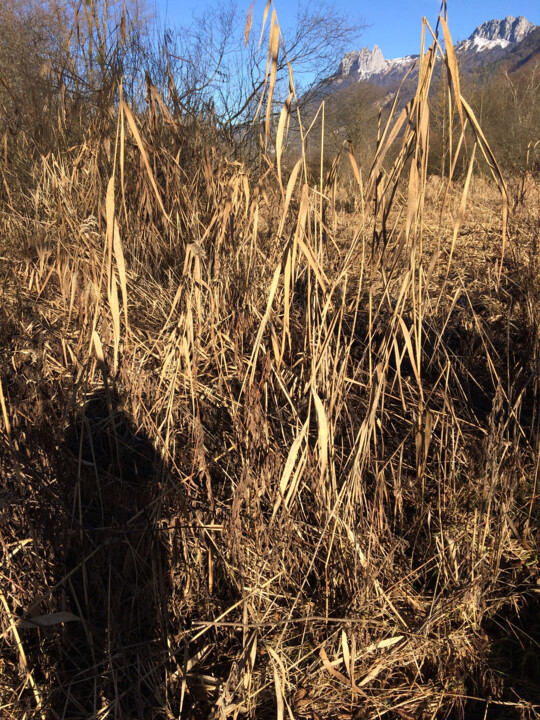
372 66
490 43
500 32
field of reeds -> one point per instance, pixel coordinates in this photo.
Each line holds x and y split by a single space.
269 437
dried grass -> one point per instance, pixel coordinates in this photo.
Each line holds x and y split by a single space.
262 456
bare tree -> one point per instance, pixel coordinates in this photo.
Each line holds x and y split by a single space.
214 67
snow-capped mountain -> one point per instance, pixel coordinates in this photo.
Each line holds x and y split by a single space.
501 32
490 42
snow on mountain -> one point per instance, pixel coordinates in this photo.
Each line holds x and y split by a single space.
481 43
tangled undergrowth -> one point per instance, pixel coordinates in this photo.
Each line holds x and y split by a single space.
262 456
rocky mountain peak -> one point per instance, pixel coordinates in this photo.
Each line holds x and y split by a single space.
511 29
363 63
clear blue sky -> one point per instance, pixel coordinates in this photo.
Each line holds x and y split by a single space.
394 25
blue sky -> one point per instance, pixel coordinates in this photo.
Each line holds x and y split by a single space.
394 25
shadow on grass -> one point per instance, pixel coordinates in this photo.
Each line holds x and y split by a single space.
511 666
114 567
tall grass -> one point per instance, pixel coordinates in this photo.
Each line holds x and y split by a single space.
262 456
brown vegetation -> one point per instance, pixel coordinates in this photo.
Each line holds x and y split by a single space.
269 442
